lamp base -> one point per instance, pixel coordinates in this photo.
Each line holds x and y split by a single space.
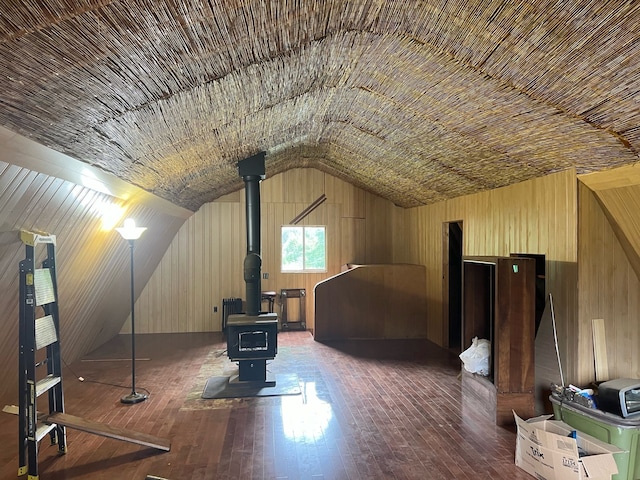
133 397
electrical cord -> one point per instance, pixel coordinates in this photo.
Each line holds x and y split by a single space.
82 379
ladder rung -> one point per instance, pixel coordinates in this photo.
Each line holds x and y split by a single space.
46 383
43 429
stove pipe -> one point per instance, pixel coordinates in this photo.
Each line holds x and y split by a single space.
252 171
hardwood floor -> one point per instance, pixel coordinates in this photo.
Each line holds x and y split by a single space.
368 410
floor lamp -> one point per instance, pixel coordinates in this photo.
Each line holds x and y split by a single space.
131 233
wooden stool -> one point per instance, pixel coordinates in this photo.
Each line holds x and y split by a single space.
268 297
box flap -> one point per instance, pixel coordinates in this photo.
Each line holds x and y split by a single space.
526 429
559 442
538 419
599 466
594 446
547 433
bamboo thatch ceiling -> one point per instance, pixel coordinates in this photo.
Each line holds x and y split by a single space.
414 101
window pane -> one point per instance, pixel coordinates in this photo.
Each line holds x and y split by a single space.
314 249
292 249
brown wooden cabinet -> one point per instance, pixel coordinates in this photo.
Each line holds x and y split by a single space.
499 305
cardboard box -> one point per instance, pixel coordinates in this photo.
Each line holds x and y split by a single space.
546 450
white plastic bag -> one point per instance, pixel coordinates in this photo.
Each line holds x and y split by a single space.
476 357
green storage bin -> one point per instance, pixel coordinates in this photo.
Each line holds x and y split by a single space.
607 427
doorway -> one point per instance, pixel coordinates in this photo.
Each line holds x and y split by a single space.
452 284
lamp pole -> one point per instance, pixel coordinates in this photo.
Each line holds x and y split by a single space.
131 233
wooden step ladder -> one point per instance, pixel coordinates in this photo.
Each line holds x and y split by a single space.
38 296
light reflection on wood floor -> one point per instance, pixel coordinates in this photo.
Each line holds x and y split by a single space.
368 410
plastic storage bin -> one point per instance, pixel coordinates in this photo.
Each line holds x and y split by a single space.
610 428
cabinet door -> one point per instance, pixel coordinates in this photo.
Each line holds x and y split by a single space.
514 325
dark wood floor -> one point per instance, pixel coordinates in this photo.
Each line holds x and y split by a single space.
368 410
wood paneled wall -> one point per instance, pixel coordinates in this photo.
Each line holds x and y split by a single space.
537 216
92 263
608 284
204 262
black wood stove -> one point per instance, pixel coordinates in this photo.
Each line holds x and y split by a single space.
252 337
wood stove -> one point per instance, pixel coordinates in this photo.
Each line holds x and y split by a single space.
252 337
251 341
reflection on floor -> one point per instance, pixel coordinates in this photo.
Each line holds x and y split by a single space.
367 410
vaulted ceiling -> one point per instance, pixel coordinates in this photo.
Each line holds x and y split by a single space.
414 101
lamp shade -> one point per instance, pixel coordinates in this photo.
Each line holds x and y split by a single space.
129 231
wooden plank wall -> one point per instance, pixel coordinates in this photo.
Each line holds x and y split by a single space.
621 206
204 262
92 263
537 216
608 284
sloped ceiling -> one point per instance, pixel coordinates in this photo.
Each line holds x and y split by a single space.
618 193
414 101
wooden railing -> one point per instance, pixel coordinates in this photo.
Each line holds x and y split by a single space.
372 301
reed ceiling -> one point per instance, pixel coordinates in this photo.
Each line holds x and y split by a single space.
414 101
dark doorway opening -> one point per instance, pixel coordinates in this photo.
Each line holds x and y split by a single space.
453 284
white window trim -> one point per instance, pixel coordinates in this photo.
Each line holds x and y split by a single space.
308 270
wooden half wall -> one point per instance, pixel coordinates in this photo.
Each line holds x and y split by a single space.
372 301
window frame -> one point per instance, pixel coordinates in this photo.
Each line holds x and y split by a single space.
304 269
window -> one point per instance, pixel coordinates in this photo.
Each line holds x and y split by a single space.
304 249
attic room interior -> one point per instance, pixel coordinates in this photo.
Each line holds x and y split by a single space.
471 165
